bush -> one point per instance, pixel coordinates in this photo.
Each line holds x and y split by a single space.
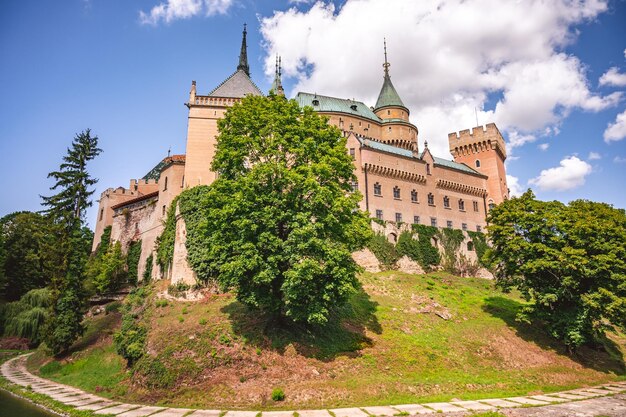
278 394
480 246
384 250
113 307
131 338
407 246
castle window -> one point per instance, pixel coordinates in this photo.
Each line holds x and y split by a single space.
396 192
182 182
491 206
470 246
164 209
355 186
389 129
398 217
388 112
464 226
353 153
340 122
413 196
477 163
446 202
378 189
461 205
449 224
433 221
165 185
427 169
416 219
359 123
479 229
101 214
431 199
368 126
475 205
379 214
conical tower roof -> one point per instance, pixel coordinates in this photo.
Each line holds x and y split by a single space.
388 95
277 85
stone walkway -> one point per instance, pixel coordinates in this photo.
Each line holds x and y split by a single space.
580 402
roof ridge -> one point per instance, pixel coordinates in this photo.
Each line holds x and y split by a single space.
231 76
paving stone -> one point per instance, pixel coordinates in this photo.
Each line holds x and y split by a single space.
413 409
97 406
568 396
348 412
496 402
582 393
141 412
117 409
547 398
313 413
614 388
381 411
206 413
599 391
173 412
526 401
277 414
444 407
69 400
86 401
241 413
472 405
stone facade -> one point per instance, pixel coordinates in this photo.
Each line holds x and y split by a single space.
398 182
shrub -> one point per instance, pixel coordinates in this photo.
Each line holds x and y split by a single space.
131 338
408 246
278 394
480 246
113 307
384 250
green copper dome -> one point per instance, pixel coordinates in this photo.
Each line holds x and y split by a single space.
388 95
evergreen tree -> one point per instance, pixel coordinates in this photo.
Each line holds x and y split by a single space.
67 209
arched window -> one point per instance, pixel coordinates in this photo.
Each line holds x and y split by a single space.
477 163
446 202
470 246
396 192
414 196
378 189
431 199
165 185
461 205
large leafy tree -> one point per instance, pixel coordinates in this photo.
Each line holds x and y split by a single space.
279 224
67 209
31 256
568 260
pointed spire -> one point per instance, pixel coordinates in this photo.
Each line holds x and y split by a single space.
243 55
277 85
388 95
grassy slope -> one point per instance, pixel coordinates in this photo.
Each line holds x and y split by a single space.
387 346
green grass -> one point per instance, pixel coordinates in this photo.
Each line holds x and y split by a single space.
388 345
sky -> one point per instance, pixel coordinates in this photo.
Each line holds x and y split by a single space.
550 74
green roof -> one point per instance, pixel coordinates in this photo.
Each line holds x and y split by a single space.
333 104
455 165
388 95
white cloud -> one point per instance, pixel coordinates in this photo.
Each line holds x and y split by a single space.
594 156
183 9
570 174
447 59
619 160
613 77
515 189
617 130
543 146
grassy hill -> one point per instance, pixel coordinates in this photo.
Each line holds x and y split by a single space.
402 338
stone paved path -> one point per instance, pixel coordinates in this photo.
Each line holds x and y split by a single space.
606 400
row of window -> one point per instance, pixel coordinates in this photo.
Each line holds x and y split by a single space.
433 221
414 197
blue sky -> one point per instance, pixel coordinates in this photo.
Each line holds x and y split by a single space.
554 81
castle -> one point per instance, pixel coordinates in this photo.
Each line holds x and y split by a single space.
397 181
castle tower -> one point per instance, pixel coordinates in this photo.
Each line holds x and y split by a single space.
277 85
483 149
396 128
205 111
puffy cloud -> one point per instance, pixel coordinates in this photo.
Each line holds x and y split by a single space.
617 130
570 174
515 189
450 59
183 9
619 160
594 156
613 77
543 146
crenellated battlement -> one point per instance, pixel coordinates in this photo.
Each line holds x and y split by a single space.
141 181
119 191
476 140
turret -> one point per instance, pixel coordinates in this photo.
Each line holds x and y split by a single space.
243 55
277 85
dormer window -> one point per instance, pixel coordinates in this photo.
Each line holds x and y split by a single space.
316 102
353 107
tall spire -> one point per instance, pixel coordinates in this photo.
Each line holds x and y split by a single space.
243 55
388 95
277 85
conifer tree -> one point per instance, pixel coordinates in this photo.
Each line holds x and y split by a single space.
67 209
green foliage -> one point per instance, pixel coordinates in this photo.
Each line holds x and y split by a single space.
113 307
132 261
378 221
26 317
154 372
451 242
147 273
165 242
108 273
279 224
105 241
568 260
408 246
384 250
278 394
480 246
131 338
30 254
428 254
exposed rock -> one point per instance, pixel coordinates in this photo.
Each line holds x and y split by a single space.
484 273
408 265
366 259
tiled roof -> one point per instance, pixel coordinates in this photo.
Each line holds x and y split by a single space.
237 85
155 173
135 200
333 104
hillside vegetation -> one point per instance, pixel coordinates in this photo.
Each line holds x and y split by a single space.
402 338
